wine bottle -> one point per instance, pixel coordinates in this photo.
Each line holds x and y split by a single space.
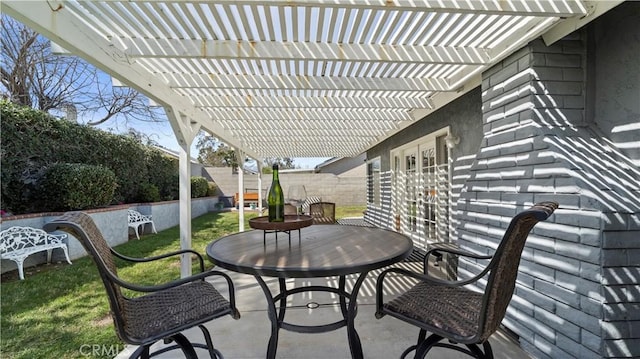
275 199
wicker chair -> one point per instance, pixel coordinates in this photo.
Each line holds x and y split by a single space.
165 310
451 311
290 209
323 212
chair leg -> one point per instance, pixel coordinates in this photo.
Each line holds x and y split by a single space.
142 352
213 352
488 351
185 345
426 345
421 336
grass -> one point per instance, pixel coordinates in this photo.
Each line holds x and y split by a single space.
61 310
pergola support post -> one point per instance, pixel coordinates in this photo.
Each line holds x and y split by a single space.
240 157
185 133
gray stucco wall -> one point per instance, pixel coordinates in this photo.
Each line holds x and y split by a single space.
347 167
550 115
616 47
560 123
464 116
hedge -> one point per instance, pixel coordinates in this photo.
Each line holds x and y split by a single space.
75 186
33 140
199 187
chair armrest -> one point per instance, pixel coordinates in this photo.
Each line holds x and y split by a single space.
232 291
162 256
437 250
172 284
457 251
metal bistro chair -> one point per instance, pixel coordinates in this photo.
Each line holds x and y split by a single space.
165 310
452 312
323 212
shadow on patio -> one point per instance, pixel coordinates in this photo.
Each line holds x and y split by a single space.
247 338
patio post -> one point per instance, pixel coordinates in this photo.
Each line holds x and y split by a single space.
259 165
185 131
185 209
240 157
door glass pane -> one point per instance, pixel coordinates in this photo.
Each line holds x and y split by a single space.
411 185
420 194
429 191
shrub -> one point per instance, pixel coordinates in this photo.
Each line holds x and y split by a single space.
213 189
148 193
32 141
75 186
199 187
163 173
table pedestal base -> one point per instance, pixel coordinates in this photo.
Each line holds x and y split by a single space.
348 307
276 231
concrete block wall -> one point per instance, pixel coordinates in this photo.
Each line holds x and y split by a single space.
342 190
577 293
111 221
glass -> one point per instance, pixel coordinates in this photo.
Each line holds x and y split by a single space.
296 196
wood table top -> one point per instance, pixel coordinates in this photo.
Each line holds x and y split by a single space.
322 250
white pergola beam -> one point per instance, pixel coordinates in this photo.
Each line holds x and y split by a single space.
321 116
338 125
205 100
301 83
503 7
237 50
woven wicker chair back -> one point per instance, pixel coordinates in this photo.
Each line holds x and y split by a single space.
290 209
504 265
82 226
323 212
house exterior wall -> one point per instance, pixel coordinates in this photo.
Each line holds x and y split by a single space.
546 113
559 123
464 118
346 167
543 142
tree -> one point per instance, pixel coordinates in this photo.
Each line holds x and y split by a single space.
142 138
212 152
32 75
283 163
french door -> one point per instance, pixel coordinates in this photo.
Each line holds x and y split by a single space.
421 190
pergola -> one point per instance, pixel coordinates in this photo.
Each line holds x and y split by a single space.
305 78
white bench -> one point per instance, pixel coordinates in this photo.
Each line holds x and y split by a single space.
17 243
137 220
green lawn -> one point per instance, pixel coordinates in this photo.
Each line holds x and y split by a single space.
61 310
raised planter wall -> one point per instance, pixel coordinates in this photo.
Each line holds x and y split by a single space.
111 221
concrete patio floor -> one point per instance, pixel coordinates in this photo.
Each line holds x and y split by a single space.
386 338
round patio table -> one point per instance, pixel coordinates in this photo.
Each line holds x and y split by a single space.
321 251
